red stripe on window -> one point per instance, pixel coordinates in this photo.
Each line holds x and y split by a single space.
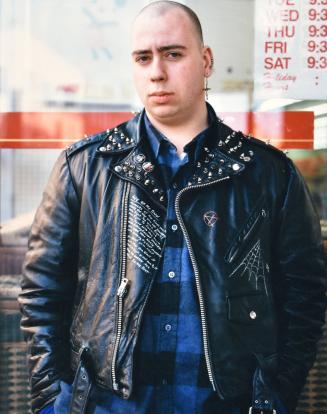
59 129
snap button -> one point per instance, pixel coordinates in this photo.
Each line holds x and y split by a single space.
253 315
174 227
236 167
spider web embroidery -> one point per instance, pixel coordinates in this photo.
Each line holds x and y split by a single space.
253 263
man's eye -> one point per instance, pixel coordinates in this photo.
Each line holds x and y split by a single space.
142 59
174 55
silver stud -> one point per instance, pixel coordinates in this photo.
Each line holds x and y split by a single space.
147 182
205 170
127 140
251 153
119 145
110 138
138 176
198 164
267 267
210 174
268 141
85 135
206 149
189 183
162 198
107 131
253 315
222 161
247 159
102 149
155 190
266 401
109 147
116 129
140 158
220 171
199 179
236 167
263 213
131 173
286 152
233 134
220 143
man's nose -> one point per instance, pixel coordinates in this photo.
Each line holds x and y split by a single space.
158 71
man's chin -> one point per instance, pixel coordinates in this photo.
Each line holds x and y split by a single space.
162 113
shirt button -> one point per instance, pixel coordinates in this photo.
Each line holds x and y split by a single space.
174 227
168 327
171 274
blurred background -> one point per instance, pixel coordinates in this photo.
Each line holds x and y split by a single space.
65 72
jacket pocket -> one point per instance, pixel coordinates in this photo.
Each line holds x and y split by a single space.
253 321
253 308
257 217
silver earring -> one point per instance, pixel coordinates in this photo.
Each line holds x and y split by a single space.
206 88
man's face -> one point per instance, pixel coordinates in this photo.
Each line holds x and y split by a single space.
169 65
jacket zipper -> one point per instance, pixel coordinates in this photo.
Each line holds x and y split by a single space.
122 289
197 279
233 253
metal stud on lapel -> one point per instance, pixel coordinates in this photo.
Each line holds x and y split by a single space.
140 158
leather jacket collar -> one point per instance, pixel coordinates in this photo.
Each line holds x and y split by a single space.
224 156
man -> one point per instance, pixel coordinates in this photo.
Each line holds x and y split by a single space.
174 265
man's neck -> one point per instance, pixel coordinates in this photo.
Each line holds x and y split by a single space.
181 133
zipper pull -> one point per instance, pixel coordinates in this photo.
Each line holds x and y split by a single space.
123 287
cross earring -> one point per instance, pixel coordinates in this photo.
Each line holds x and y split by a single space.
206 88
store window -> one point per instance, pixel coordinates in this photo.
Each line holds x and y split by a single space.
65 73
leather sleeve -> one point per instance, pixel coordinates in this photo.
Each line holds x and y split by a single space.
49 276
300 287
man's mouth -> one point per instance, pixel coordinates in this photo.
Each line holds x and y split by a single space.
160 97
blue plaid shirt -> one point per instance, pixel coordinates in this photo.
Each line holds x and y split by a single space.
170 370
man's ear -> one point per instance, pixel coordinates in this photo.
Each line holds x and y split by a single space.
208 61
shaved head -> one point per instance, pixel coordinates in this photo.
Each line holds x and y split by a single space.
160 8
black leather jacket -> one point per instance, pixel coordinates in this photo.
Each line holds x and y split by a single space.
96 244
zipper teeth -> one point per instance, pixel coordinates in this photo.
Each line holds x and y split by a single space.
196 274
120 298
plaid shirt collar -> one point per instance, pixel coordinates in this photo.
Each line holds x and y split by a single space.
158 140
